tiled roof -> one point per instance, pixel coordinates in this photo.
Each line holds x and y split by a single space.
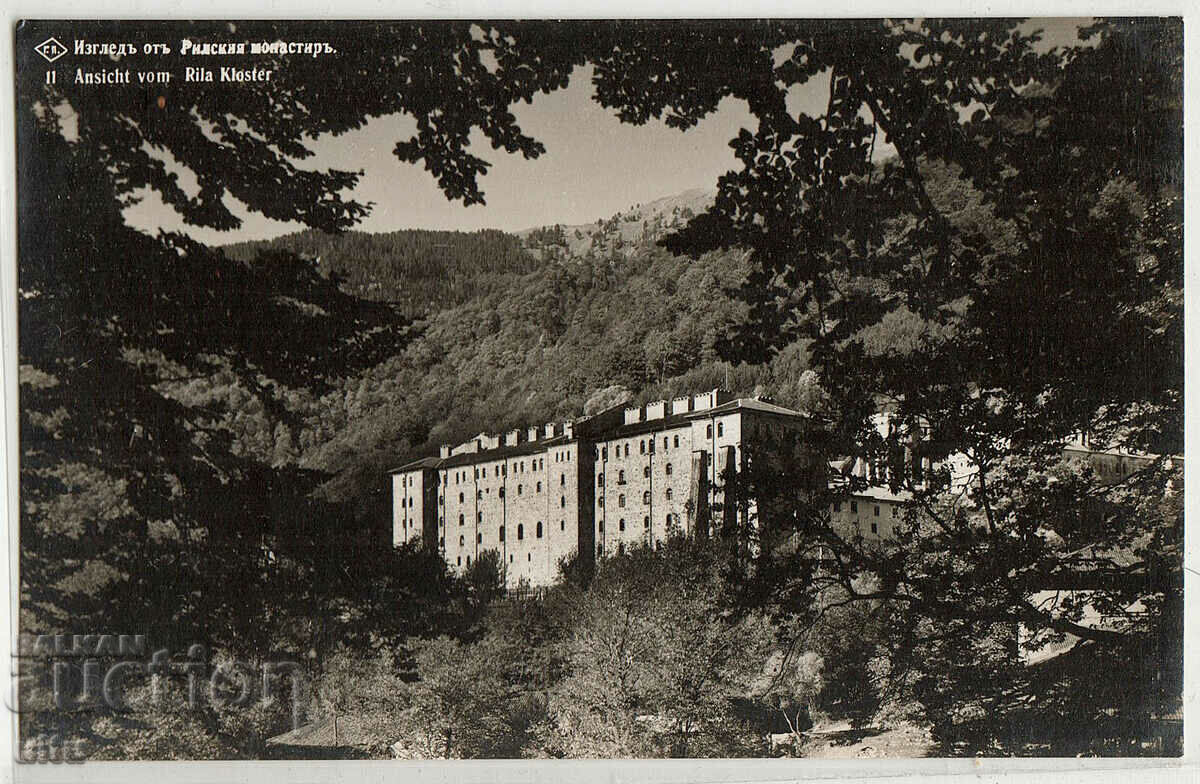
503 452
424 462
600 434
750 404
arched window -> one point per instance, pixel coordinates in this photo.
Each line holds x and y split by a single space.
666 444
479 538
461 499
646 522
539 487
564 480
668 494
676 442
720 428
643 446
668 469
627 450
501 533
510 558
519 489
600 501
539 529
563 502
600 527
520 531
621 525
600 479
501 492
621 501
646 472
462 520
478 495
562 525
529 557
620 548
460 560
646 497
708 431
468 560
479 517
462 541
621 477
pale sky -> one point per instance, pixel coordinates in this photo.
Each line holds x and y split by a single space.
594 166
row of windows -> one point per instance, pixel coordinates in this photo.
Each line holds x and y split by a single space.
520 490
521 531
643 446
538 532
501 469
645 523
837 507
669 469
645 498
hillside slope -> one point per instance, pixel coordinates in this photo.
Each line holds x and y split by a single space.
421 271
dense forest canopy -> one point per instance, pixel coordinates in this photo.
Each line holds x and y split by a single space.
203 430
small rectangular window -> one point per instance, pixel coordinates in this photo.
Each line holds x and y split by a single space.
854 506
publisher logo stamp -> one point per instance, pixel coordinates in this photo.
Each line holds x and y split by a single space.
51 49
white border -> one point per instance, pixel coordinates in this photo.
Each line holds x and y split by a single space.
611 772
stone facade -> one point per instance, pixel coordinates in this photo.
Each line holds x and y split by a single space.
622 478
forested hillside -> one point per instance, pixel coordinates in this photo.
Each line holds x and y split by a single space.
627 320
418 270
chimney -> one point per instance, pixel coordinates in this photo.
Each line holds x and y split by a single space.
633 415
681 405
656 410
512 437
703 401
549 430
531 434
568 429
444 451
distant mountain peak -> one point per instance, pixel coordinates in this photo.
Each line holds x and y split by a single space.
634 225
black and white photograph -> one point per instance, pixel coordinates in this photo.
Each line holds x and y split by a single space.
803 389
